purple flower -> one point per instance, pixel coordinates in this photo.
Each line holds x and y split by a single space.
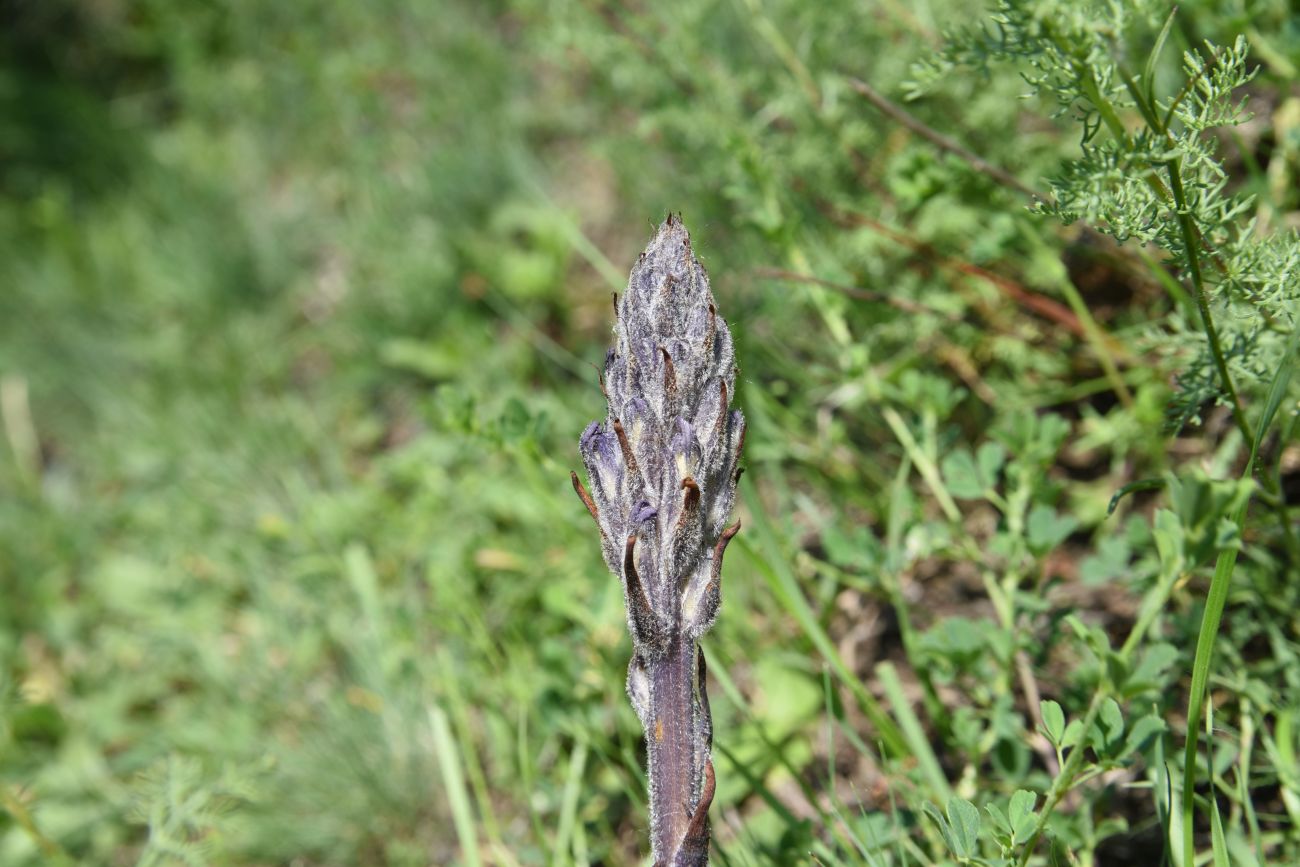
663 469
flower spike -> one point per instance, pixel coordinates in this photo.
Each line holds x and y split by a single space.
662 469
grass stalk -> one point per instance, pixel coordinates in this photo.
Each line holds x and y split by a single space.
771 564
914 732
1214 604
453 783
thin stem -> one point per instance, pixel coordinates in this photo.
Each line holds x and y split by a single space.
1033 301
1215 601
1191 243
1098 340
939 140
1110 117
924 465
1103 105
903 304
1033 700
1139 100
14 806
1271 494
1193 238
1065 780
892 579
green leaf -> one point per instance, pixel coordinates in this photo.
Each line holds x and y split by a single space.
962 475
1218 842
967 729
1117 667
945 830
1169 539
1139 485
1093 636
788 697
959 640
1001 825
1110 561
1276 393
1053 721
990 457
1149 73
1141 732
965 822
1046 529
449 759
1110 725
1021 815
1151 667
1072 733
971 477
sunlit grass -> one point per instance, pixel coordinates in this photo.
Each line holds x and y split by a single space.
293 353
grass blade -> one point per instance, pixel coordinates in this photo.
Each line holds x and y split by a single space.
913 732
453 782
1218 844
569 804
781 580
1214 603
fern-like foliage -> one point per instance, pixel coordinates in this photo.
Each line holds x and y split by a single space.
1151 171
185 809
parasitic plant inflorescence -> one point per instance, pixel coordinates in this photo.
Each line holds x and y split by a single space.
663 468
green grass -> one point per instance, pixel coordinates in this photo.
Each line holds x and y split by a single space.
298 311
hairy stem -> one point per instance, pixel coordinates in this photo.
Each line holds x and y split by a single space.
663 468
675 745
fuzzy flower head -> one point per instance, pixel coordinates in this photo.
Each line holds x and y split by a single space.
663 465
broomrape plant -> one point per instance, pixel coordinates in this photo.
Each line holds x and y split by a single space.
663 469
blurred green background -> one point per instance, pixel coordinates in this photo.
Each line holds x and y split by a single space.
299 304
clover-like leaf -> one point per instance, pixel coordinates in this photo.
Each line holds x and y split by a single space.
1045 528
1053 721
964 828
1021 815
